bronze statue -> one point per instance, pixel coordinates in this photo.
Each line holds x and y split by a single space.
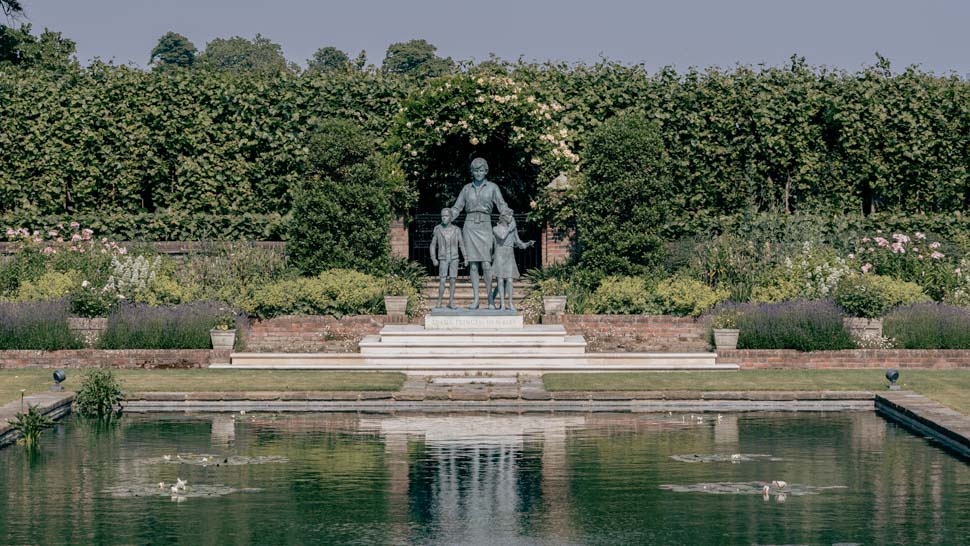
445 244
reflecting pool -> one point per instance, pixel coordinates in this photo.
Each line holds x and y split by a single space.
849 478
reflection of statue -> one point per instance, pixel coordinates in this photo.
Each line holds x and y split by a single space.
445 244
478 198
503 263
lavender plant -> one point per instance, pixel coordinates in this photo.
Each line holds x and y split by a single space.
140 326
36 325
801 325
929 326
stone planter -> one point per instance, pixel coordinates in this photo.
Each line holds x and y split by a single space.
222 339
726 338
863 327
89 330
554 305
396 306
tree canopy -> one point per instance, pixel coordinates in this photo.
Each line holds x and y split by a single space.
21 48
328 59
173 49
239 54
416 58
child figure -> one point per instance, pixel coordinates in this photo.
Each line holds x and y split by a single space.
503 262
445 244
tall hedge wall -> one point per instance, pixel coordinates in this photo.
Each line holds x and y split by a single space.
116 140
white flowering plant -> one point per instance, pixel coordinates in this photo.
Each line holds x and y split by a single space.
914 257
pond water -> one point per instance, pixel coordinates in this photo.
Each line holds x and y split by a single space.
485 479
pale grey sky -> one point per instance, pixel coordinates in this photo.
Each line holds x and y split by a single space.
683 33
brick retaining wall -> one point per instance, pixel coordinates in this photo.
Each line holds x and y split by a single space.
635 333
313 334
860 358
124 358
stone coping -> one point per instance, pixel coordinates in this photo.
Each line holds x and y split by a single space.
948 427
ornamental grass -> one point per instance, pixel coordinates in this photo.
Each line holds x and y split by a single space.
929 326
184 326
802 325
36 325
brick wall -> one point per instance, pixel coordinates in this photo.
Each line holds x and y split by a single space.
125 358
323 334
557 246
398 233
859 358
635 333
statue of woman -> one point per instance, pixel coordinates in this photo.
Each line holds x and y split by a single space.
477 199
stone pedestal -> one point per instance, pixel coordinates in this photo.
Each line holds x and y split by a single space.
479 319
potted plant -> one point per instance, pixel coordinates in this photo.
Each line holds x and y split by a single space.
553 296
395 296
223 333
725 326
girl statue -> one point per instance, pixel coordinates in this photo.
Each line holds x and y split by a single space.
503 261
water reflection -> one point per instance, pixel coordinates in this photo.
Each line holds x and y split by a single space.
486 479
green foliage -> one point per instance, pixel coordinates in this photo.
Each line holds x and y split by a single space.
929 326
49 51
342 212
812 273
162 225
621 296
334 292
231 272
872 296
11 7
52 285
173 49
416 58
328 59
30 425
684 297
100 395
623 197
237 54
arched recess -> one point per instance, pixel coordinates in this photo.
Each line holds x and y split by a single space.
454 119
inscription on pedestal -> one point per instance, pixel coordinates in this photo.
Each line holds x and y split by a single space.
459 322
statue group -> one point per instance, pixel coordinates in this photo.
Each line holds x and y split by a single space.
487 249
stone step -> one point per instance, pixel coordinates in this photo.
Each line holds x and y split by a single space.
448 365
529 331
572 345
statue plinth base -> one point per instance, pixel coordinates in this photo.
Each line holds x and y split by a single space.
442 318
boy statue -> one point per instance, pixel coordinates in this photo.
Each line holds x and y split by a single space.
445 244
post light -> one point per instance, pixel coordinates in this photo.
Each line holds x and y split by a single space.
59 377
892 374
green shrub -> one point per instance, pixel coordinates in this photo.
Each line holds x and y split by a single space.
341 212
623 197
100 395
621 296
36 325
334 292
800 325
929 326
232 272
52 285
811 273
684 297
872 296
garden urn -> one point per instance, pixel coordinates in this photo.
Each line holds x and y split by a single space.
863 327
726 338
396 306
222 339
554 305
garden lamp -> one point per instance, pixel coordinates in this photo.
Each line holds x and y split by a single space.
892 374
59 377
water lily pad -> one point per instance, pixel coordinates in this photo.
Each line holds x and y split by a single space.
749 488
723 458
208 459
192 491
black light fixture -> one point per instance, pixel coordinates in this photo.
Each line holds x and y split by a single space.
892 374
59 377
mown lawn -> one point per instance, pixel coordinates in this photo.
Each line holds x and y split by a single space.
36 380
949 387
